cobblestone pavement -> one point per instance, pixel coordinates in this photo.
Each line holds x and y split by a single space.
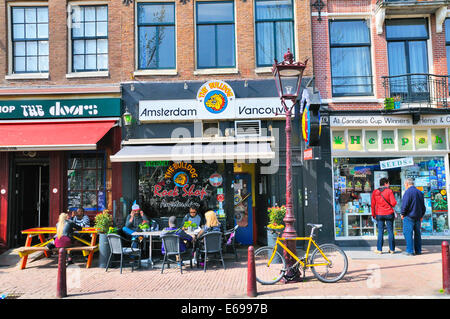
369 276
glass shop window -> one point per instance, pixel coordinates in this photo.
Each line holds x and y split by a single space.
356 178
86 182
169 188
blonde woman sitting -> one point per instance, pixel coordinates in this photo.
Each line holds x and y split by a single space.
212 223
64 233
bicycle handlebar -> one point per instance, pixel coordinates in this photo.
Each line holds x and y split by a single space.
274 231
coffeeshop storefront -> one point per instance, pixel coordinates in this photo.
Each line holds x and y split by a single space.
54 155
213 145
368 148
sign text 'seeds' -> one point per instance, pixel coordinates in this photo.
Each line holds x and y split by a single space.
399 162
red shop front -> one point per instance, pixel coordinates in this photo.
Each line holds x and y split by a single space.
54 158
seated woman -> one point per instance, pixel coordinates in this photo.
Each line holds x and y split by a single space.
64 233
212 223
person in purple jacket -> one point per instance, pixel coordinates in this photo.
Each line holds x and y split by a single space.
413 209
185 239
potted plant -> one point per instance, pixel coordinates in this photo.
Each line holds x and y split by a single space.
397 102
144 226
104 223
389 103
276 216
189 225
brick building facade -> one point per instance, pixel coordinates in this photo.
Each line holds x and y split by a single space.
381 69
87 53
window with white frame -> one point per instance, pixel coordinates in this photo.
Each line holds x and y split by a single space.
29 34
156 35
89 35
351 67
215 34
274 22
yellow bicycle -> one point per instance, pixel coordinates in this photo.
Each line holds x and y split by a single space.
328 262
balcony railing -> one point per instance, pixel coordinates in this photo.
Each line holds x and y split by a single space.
417 90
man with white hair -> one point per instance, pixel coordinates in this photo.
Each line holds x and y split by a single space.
413 209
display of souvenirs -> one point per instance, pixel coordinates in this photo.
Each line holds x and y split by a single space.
428 206
355 180
440 223
339 228
427 225
439 200
358 185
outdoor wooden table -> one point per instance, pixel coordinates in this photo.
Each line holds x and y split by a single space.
158 233
41 231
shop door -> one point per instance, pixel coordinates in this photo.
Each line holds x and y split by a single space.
31 204
243 208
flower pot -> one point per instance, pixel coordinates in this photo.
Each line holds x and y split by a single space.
271 241
388 103
103 250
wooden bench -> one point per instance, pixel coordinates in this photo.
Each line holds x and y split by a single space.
24 251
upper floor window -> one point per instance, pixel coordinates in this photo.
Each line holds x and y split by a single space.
29 31
408 58
407 46
274 22
89 38
215 35
156 35
351 71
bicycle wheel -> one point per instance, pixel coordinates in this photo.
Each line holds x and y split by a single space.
269 274
333 271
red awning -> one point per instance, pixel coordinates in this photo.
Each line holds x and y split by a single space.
48 136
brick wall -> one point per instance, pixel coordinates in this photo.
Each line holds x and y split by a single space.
121 40
58 46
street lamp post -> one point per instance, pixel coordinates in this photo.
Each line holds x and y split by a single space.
288 78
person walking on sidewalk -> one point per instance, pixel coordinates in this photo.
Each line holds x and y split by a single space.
413 209
383 203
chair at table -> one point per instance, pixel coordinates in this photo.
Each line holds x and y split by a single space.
229 239
115 244
171 244
211 244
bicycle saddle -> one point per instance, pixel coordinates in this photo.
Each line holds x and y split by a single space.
318 226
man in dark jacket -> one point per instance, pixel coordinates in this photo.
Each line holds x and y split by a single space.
413 209
383 203
136 218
